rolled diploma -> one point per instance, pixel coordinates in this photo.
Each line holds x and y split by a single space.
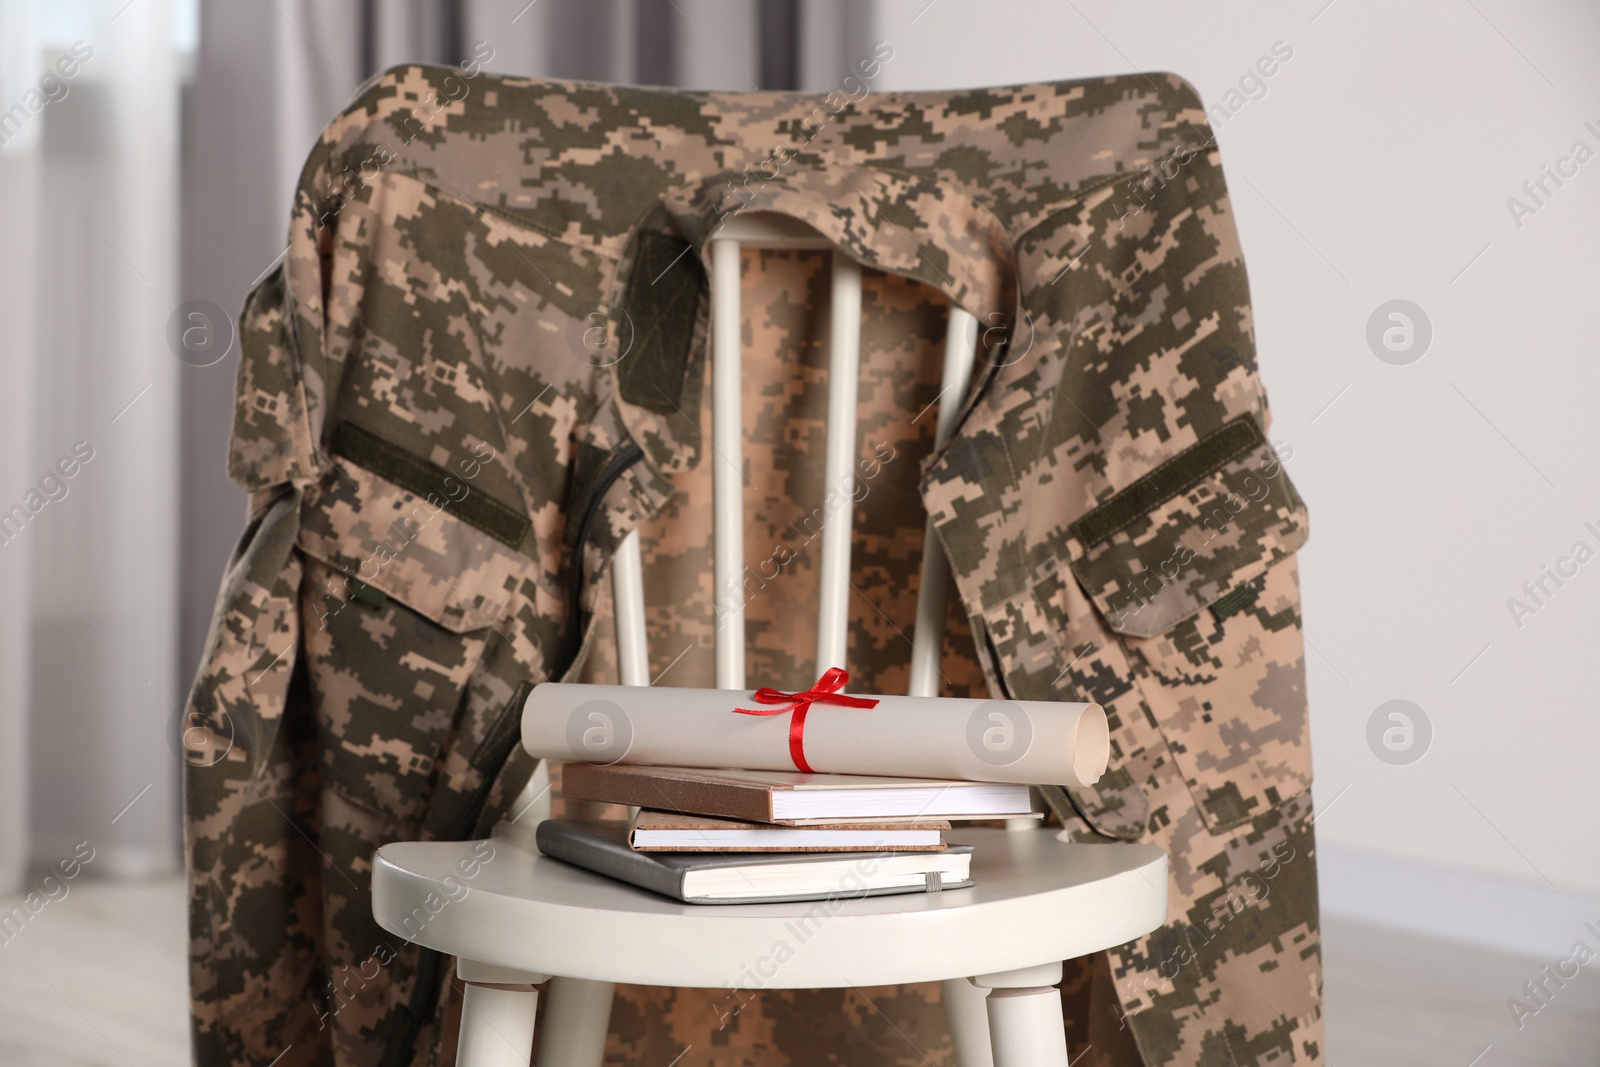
1024 741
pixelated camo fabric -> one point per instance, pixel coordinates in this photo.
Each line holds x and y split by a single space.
482 363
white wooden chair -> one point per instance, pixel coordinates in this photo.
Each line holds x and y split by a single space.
524 919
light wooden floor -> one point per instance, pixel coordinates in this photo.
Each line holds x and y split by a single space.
1394 1000
97 979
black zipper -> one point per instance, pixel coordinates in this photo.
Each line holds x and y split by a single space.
408 1024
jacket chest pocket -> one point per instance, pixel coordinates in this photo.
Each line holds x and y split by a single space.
1192 567
401 595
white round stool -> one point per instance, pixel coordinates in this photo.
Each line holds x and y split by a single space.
519 919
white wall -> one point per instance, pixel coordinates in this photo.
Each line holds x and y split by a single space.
1377 165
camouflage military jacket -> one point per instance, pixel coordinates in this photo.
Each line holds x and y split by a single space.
482 363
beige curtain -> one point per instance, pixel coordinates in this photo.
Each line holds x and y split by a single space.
153 180
89 478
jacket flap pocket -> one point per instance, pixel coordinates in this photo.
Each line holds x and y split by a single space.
416 532
1197 527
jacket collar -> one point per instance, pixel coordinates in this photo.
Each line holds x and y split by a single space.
878 216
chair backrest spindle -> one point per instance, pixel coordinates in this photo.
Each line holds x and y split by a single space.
839 459
627 590
727 446
727 455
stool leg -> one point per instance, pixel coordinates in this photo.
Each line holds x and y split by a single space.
965 1007
1025 1025
576 1015
496 1026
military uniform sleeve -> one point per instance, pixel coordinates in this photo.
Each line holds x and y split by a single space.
1131 533
1183 549
1120 473
246 805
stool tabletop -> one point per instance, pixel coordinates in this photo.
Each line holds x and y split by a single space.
1037 899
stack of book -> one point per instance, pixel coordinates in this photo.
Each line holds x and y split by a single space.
706 836
766 834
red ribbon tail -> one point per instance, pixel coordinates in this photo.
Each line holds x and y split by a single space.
797 734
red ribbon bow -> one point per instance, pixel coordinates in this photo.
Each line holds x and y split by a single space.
826 691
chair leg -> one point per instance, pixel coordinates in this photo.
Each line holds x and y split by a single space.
968 1014
576 1015
1025 1025
1026 1029
496 1026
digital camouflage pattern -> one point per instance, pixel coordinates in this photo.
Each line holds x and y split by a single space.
482 363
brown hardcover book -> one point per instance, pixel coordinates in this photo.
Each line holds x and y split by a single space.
671 831
791 798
